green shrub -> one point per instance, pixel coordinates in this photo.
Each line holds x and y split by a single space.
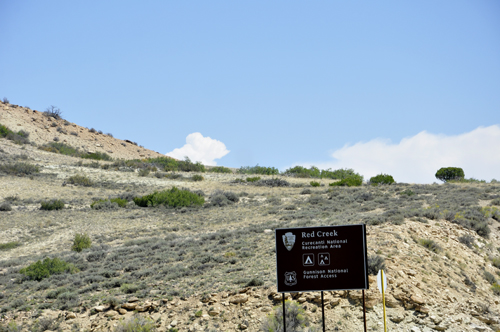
496 201
80 180
315 184
172 198
21 137
220 169
496 262
19 168
197 178
129 288
136 324
339 174
144 172
96 156
253 179
302 172
65 149
381 179
431 245
496 289
55 204
9 245
407 192
352 181
375 263
43 269
80 242
258 170
165 163
446 174
295 317
4 131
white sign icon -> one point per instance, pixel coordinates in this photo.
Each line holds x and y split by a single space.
324 259
289 240
308 259
290 278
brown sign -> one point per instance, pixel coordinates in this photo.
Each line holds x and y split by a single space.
321 258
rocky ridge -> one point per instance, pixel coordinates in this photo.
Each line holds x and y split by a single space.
43 130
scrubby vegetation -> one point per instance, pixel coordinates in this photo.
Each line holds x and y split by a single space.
253 179
258 170
21 137
315 172
106 204
19 169
55 204
9 245
68 150
172 198
44 269
447 174
220 169
136 324
295 317
80 180
431 245
223 198
381 179
53 112
197 177
80 242
375 263
351 181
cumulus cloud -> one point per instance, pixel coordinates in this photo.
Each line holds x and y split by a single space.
416 159
202 149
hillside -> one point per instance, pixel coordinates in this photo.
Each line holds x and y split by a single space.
212 267
43 130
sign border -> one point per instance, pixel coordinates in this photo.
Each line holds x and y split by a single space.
365 265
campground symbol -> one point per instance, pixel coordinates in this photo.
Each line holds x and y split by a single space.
308 259
324 259
289 240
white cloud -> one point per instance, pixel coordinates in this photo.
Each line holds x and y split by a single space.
416 159
199 148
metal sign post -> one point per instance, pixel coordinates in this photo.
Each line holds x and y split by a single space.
321 259
382 286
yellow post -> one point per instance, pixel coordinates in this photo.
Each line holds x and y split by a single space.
383 299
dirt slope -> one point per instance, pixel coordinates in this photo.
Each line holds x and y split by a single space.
43 129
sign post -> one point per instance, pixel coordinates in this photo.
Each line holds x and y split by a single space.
382 286
321 259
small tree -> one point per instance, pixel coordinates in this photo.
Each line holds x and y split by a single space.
81 241
53 112
446 174
381 179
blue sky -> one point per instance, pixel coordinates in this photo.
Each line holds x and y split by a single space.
382 87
